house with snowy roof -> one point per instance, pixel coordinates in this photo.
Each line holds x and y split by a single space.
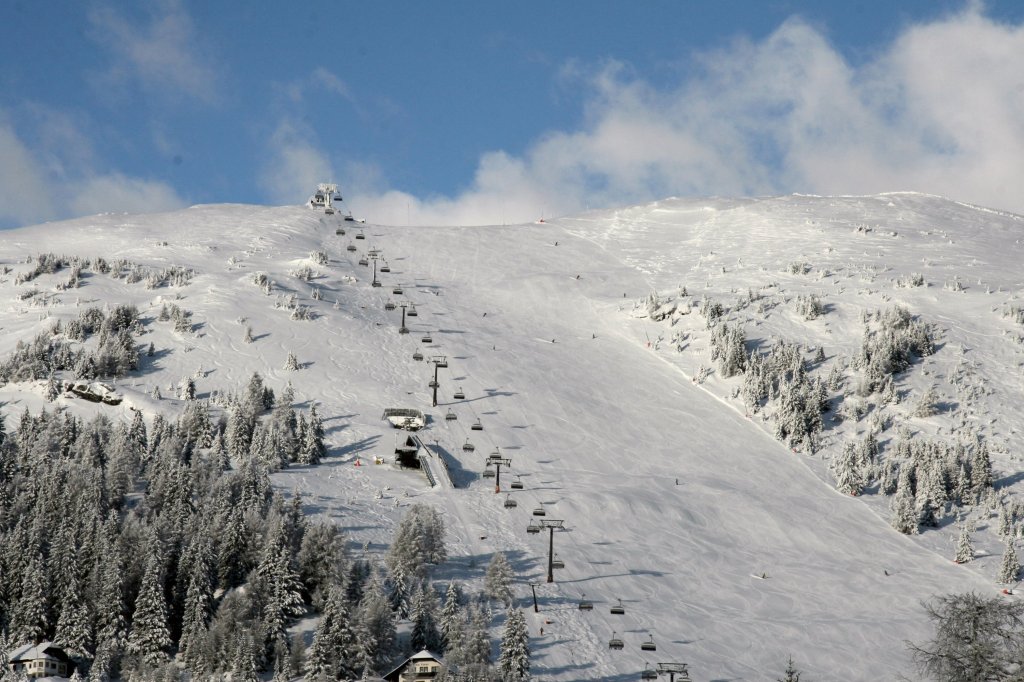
45 659
420 667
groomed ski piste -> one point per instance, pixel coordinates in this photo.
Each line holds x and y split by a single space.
728 549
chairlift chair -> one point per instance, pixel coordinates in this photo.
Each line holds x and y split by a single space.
433 384
385 268
351 247
618 609
468 447
649 645
477 426
403 330
489 473
648 674
412 311
328 211
615 643
417 356
557 563
397 291
510 503
340 231
375 284
442 363
539 511
533 528
427 339
360 235
450 416
459 395
390 305
363 261
586 604
516 484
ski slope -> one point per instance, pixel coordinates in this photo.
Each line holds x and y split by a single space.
674 502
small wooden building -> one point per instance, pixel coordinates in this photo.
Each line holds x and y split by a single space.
420 667
45 659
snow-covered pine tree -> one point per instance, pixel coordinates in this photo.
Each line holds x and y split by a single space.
904 516
846 469
376 627
964 551
149 637
514 660
791 674
30 620
498 579
248 338
291 364
450 615
424 617
1009 568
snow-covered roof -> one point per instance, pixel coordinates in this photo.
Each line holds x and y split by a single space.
423 655
35 652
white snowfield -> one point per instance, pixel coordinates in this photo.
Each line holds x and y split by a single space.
674 502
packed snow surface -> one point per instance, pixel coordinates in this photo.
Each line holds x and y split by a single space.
674 500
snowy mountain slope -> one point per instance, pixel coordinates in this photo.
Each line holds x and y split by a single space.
671 497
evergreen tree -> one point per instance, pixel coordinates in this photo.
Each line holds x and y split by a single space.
514 660
30 621
1010 566
278 587
376 627
846 469
964 551
334 651
291 364
312 449
450 616
74 626
904 517
150 637
424 616
498 579
792 674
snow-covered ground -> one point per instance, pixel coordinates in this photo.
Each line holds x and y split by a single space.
674 501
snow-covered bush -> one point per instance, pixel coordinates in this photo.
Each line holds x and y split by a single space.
810 307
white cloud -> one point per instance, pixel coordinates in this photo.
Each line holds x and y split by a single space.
54 180
162 55
939 110
295 166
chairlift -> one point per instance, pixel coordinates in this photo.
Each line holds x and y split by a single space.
533 528
397 291
459 395
433 384
586 604
489 473
385 267
417 356
516 484
615 643
442 362
363 261
349 218
375 284
390 305
648 674
412 311
510 503
351 247
539 511
328 211
557 563
468 447
618 609
403 330
477 426
427 339
360 235
649 645
340 231
451 416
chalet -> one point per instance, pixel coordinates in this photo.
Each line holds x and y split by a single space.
421 667
45 659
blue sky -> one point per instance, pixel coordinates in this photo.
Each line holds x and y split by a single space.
470 112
